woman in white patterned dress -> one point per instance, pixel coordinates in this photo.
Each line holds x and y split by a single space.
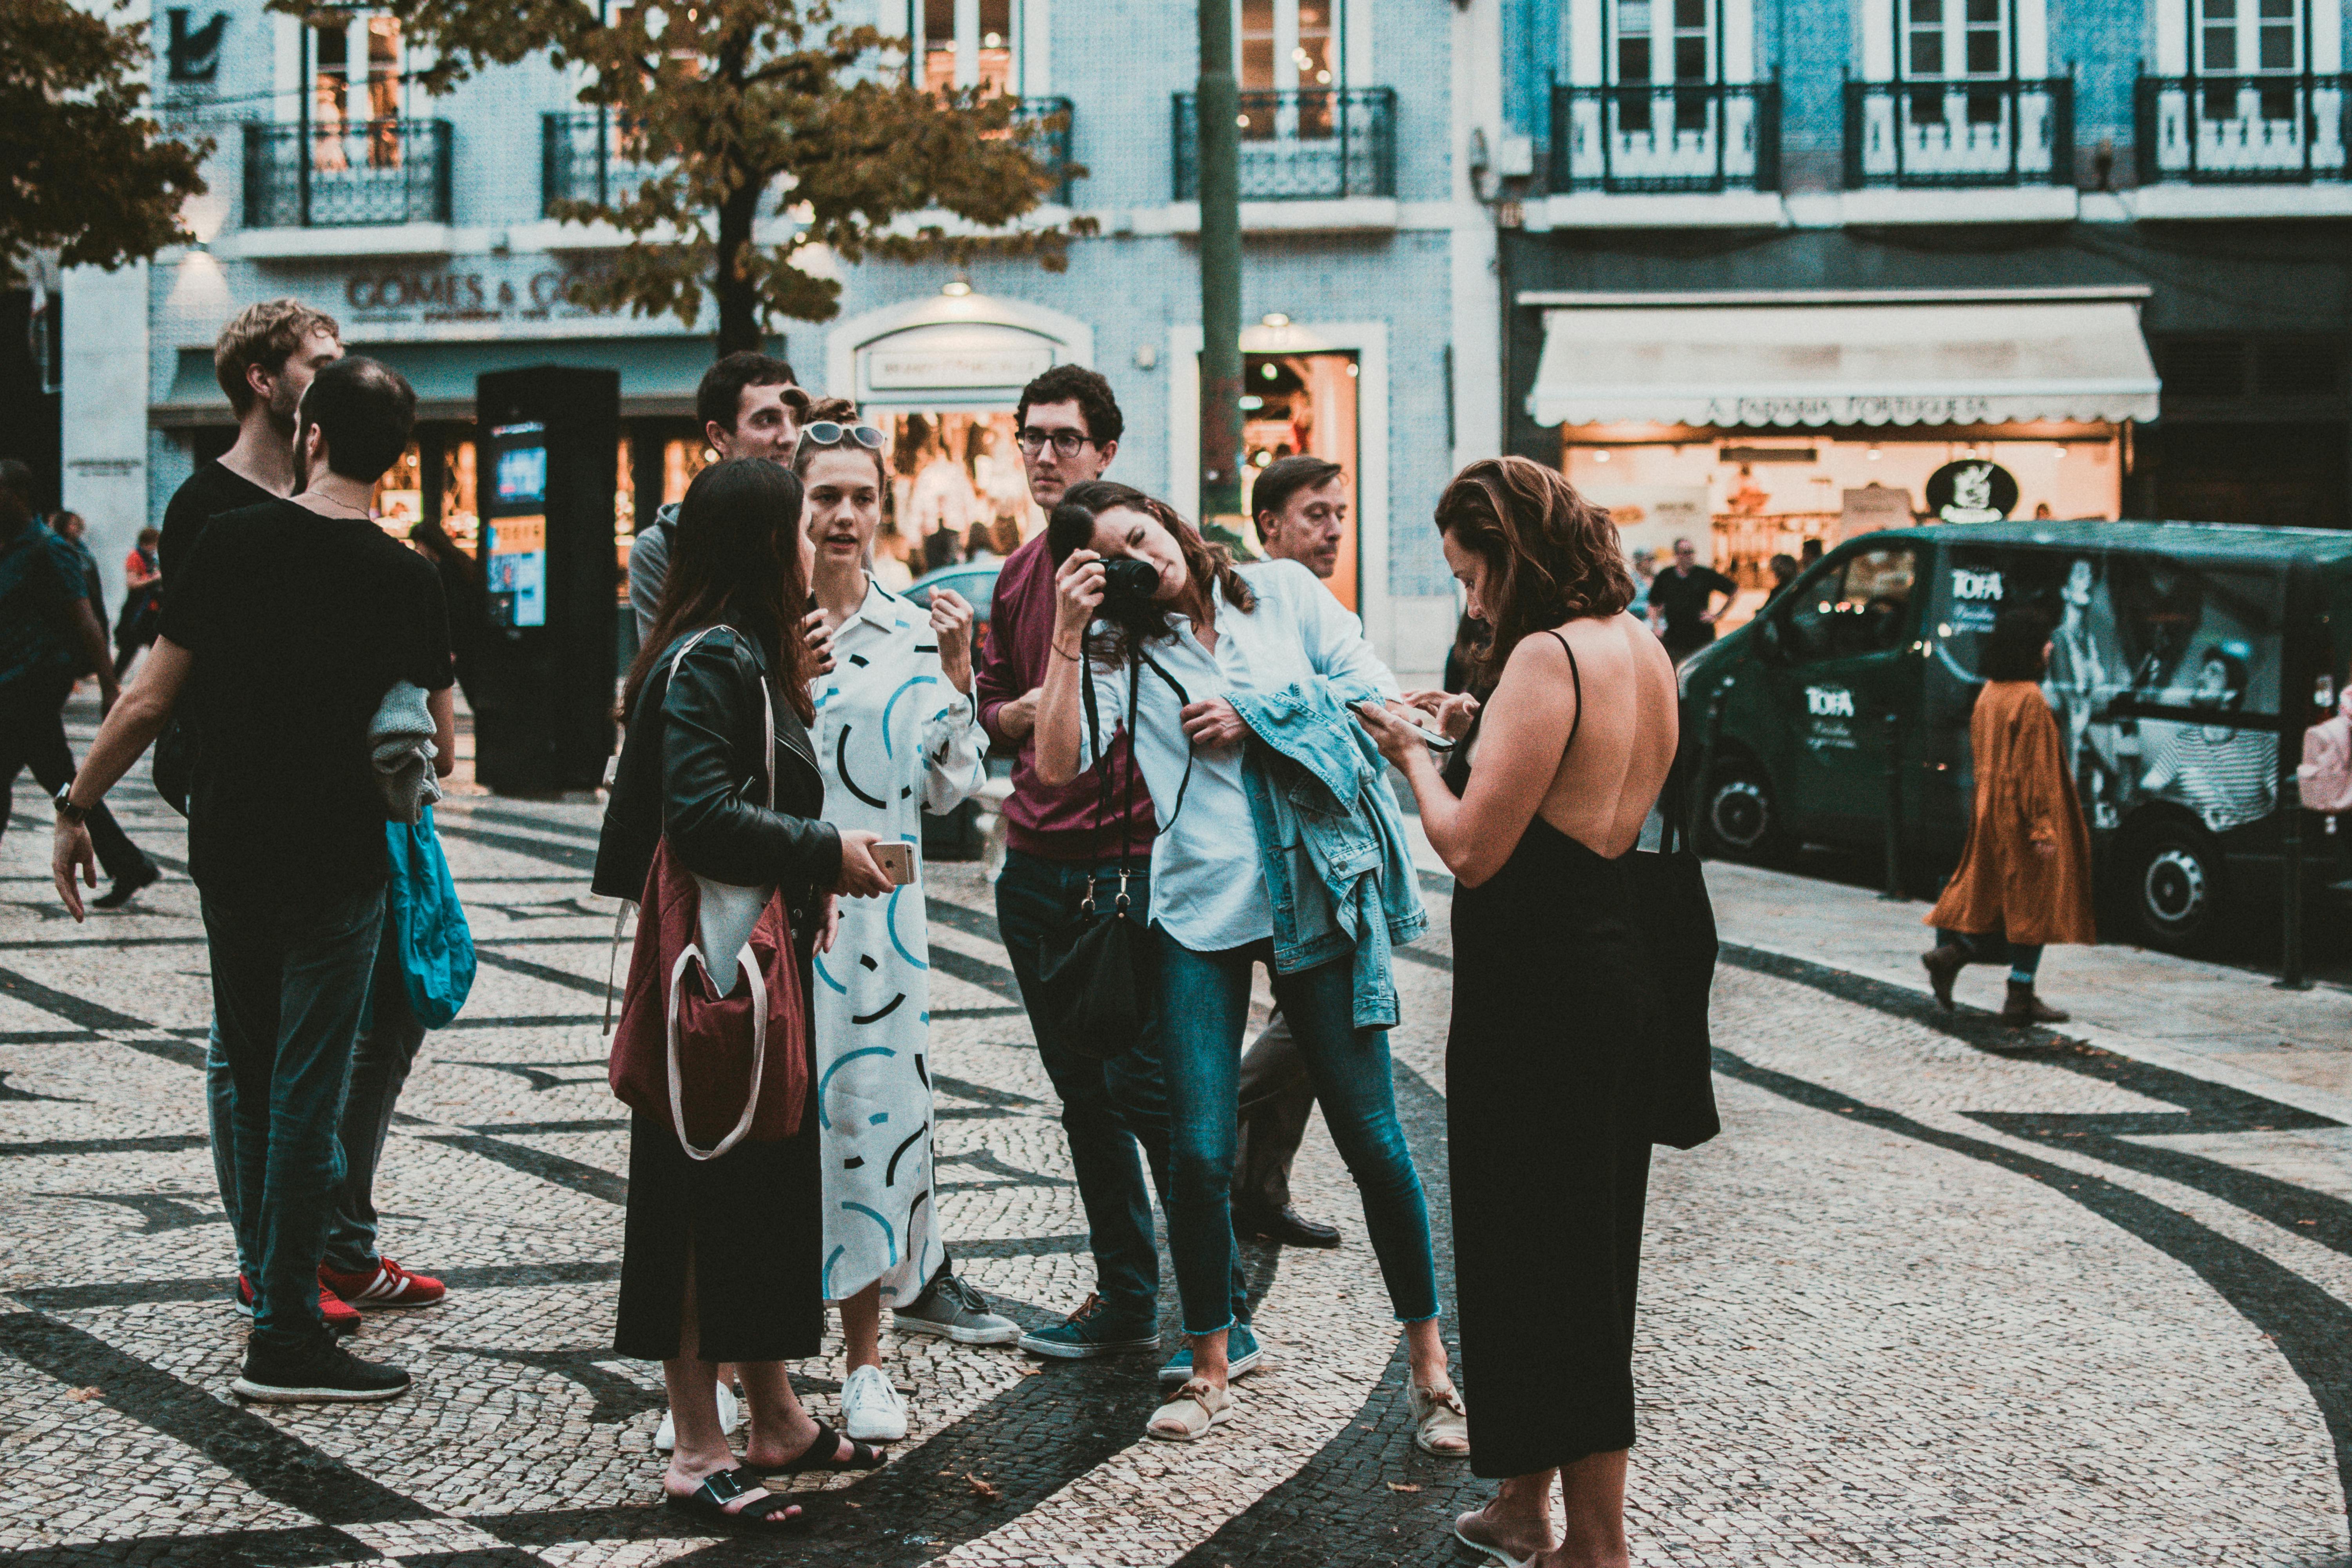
896 735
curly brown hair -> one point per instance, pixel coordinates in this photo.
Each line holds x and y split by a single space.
1551 555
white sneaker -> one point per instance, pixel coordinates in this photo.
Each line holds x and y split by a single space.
731 1419
871 1410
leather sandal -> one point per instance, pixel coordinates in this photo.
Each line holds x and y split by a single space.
1461 1526
1190 1412
709 1501
823 1453
1436 1416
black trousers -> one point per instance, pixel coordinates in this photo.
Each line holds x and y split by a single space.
1276 1098
32 735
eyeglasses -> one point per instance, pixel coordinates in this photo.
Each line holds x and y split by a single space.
1066 443
826 433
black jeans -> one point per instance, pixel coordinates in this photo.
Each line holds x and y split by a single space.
32 735
1109 1110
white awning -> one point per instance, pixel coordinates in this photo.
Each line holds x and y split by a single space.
1755 365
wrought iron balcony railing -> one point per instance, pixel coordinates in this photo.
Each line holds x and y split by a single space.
588 156
1647 139
1312 144
2242 130
594 156
1959 133
357 172
1047 122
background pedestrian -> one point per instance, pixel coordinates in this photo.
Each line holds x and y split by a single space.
2024 877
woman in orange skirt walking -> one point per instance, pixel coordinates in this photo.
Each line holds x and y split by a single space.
2025 880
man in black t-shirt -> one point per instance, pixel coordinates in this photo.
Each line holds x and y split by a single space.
1681 608
264 360
282 632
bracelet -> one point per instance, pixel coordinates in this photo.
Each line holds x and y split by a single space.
1066 653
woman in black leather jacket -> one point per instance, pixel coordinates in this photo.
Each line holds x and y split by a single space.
720 1262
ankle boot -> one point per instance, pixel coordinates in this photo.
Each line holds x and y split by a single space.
1943 965
2024 1009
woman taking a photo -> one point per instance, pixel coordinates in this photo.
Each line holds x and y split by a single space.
896 735
719 1263
1575 738
1217 630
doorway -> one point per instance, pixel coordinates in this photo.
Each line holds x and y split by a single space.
1295 403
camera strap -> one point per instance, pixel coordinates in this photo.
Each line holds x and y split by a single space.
1136 660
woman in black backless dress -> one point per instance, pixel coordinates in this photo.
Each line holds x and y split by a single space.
1548 1162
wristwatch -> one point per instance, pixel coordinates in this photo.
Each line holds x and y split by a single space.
67 811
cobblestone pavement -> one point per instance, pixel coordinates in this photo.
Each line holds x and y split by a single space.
1926 1300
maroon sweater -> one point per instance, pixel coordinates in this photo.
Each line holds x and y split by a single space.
1054 823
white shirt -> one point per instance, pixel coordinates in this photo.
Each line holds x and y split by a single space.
1208 878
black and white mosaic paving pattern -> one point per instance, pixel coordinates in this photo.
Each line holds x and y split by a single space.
1922 1303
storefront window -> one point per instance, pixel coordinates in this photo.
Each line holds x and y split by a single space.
398 502
957 493
1746 496
460 517
1302 403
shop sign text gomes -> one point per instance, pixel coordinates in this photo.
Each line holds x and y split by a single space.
442 296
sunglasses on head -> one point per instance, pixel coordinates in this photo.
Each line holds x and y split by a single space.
826 433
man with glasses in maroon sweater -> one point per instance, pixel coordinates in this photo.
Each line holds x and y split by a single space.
1059 841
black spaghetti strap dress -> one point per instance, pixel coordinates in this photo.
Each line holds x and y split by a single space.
1549 1163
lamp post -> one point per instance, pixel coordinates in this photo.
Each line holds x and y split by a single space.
1218 127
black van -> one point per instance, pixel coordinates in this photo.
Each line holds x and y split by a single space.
2188 658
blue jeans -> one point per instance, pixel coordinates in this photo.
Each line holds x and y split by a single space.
1111 1110
1204 1007
289 980
381 1063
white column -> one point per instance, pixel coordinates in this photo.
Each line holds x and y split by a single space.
1036 45
967 18
2326 37
1585 66
2032 39
2172 38
105 410
286 101
1739 42
1877 40
1285 44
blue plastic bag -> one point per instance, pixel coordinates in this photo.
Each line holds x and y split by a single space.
436 949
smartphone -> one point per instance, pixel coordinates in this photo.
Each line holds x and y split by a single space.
898 862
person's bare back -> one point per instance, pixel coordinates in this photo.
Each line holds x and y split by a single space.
1613 770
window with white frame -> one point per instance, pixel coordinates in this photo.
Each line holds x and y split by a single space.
1662 42
968 43
1942 40
358 91
1287 44
2247 38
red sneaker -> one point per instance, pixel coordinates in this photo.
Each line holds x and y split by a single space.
342 1317
389 1286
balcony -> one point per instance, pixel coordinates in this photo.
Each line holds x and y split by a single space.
1046 121
592 157
2242 130
1315 144
587 157
1700 137
338 176
1953 136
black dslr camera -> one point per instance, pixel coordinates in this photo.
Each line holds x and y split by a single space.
1128 581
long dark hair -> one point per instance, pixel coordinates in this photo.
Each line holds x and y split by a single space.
1550 555
1131 623
735 560
2013 652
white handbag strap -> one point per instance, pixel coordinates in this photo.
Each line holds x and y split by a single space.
759 1053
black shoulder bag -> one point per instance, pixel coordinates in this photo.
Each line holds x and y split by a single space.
1675 1080
1094 971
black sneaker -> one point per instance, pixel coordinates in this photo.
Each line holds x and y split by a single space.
321 1370
125 889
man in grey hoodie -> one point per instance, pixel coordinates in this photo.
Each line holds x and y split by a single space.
750 407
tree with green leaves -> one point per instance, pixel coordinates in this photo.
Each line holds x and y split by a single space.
83 171
740 110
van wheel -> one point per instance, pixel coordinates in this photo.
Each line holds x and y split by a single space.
1742 816
2173 883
